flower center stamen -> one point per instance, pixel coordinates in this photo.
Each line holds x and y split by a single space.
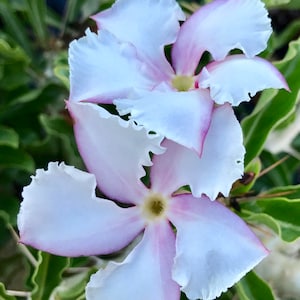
154 207
182 83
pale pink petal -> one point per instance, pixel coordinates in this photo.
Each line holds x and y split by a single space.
183 117
60 214
214 247
148 25
144 274
220 164
114 150
102 68
237 78
219 27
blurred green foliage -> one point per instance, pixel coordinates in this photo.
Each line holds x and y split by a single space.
35 128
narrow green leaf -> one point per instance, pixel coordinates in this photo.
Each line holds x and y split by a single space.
14 25
56 125
47 274
274 3
16 158
283 211
36 11
8 137
3 293
12 53
252 287
289 191
279 105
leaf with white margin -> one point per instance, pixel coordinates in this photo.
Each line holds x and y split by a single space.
237 77
183 117
103 68
144 274
60 214
219 27
220 164
114 150
148 25
214 247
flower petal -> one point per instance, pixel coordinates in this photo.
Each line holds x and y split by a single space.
102 68
144 274
183 117
214 247
114 150
148 25
220 164
60 214
219 27
237 78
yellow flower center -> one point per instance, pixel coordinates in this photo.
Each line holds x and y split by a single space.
182 83
154 207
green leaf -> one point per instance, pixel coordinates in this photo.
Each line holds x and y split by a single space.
8 137
290 191
74 287
14 26
3 293
284 212
274 3
252 287
56 125
245 184
277 105
12 53
47 274
36 11
16 158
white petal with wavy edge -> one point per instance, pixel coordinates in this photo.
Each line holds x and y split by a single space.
60 214
114 150
237 78
220 164
214 247
219 27
144 274
183 117
102 68
148 25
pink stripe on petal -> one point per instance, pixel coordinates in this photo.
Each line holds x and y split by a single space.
149 25
214 247
237 78
220 164
219 27
183 117
114 150
60 214
102 69
144 274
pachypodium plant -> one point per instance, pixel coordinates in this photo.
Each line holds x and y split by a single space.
185 239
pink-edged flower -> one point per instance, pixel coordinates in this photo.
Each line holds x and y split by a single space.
125 63
212 248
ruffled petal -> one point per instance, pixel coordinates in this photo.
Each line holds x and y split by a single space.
102 68
219 27
144 274
148 25
60 214
220 164
114 150
183 117
214 247
237 78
